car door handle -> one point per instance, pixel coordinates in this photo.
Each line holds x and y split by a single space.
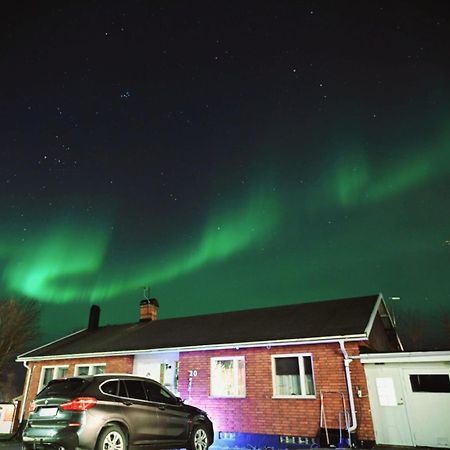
127 403
162 407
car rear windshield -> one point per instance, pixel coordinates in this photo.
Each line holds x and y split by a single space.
63 388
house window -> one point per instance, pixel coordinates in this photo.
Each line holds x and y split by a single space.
91 369
228 377
51 373
430 383
292 376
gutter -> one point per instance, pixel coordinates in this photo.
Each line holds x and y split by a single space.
27 388
348 379
195 348
405 357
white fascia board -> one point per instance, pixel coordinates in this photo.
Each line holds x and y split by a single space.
373 315
405 357
237 345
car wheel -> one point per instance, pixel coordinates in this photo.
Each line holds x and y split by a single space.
112 438
199 439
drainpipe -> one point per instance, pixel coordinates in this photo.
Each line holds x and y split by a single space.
348 379
27 388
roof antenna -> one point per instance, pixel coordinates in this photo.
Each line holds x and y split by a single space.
146 292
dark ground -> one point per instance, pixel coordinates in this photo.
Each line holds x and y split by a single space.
15 445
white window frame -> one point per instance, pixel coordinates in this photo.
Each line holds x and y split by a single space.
43 369
301 367
235 375
90 368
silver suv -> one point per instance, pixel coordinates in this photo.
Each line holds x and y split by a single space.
113 412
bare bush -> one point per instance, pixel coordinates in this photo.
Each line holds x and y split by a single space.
19 325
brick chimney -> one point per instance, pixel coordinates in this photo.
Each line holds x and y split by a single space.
148 309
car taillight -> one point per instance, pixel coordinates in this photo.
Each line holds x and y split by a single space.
32 407
79 404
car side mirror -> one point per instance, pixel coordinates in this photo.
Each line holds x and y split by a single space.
180 400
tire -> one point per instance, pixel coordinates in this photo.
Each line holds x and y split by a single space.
199 438
112 438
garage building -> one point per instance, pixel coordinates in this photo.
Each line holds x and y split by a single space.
409 397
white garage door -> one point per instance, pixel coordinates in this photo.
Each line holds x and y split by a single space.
410 403
428 405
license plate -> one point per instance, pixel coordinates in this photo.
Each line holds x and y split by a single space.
47 412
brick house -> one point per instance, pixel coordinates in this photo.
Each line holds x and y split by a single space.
270 376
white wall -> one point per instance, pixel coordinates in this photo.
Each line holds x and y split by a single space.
162 367
6 417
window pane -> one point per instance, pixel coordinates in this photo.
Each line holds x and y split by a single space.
72 386
287 366
287 376
48 376
135 389
222 378
241 377
61 372
430 383
82 370
158 394
309 380
122 389
98 369
110 387
228 377
153 392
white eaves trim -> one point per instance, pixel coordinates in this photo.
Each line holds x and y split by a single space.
405 357
373 315
236 345
380 301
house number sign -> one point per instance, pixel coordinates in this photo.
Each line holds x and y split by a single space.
192 373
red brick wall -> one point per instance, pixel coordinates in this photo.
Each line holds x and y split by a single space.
114 364
258 412
365 430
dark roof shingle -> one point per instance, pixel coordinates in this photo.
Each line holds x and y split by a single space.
344 317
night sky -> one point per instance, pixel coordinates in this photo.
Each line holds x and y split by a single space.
229 155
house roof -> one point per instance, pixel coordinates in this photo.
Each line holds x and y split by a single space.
319 320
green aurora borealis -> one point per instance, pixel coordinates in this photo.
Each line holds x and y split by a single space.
229 156
355 228
62 265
